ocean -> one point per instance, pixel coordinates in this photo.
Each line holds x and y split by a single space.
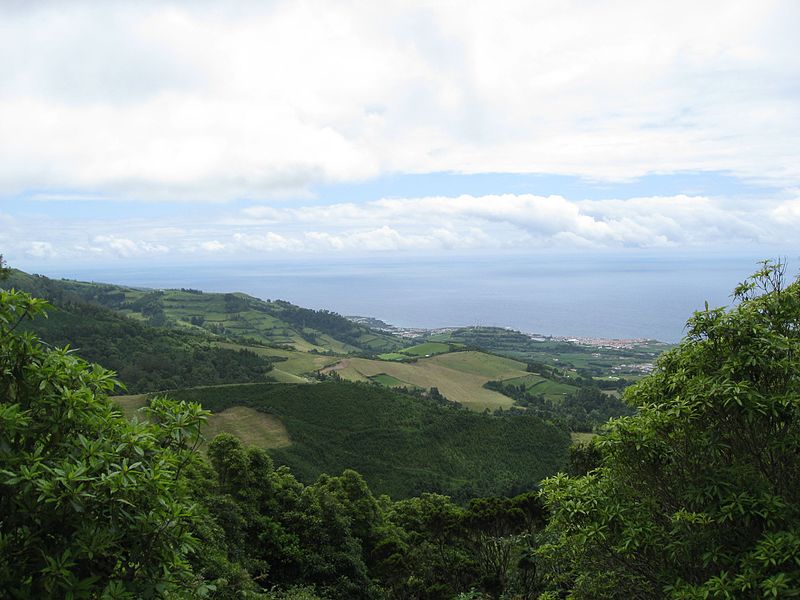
609 296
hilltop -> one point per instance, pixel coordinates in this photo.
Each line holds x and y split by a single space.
219 315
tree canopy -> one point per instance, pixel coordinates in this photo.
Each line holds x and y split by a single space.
90 504
698 495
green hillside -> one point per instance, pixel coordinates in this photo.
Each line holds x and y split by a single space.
428 349
536 384
597 360
147 358
403 445
460 376
230 315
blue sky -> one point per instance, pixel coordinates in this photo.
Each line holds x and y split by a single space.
194 131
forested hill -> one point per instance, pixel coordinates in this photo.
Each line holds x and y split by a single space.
146 358
224 315
402 444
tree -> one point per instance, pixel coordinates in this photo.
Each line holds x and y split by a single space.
697 496
4 270
90 503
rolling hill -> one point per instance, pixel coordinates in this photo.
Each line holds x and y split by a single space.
459 376
222 315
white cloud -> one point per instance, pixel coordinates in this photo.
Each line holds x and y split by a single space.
149 100
40 249
124 247
787 213
268 241
419 225
212 246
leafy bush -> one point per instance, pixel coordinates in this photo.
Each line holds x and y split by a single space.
697 496
89 503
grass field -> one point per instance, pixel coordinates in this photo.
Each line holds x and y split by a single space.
536 384
426 349
459 375
480 363
130 404
578 437
389 381
253 427
393 356
297 363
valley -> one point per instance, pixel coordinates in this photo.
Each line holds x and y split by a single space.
522 397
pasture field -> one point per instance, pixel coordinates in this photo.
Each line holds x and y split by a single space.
426 349
282 376
254 428
389 381
599 360
536 384
130 404
296 363
480 363
579 437
392 356
459 376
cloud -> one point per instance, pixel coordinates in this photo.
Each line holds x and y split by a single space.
40 249
125 248
268 241
212 246
428 225
190 101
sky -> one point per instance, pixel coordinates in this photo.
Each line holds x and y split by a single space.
188 132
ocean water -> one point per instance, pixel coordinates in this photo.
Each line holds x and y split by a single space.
585 295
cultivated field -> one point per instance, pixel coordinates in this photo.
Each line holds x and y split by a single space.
296 367
253 427
536 384
426 349
459 376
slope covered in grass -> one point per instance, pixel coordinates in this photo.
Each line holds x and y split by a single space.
459 376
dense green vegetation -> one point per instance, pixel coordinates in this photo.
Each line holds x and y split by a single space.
337 536
237 316
428 349
89 503
146 358
565 357
584 409
698 495
401 444
93 506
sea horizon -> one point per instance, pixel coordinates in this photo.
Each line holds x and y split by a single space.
604 296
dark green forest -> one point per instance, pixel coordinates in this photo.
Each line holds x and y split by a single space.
402 445
585 410
146 358
696 495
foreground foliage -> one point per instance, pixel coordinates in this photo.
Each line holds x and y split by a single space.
697 496
90 504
